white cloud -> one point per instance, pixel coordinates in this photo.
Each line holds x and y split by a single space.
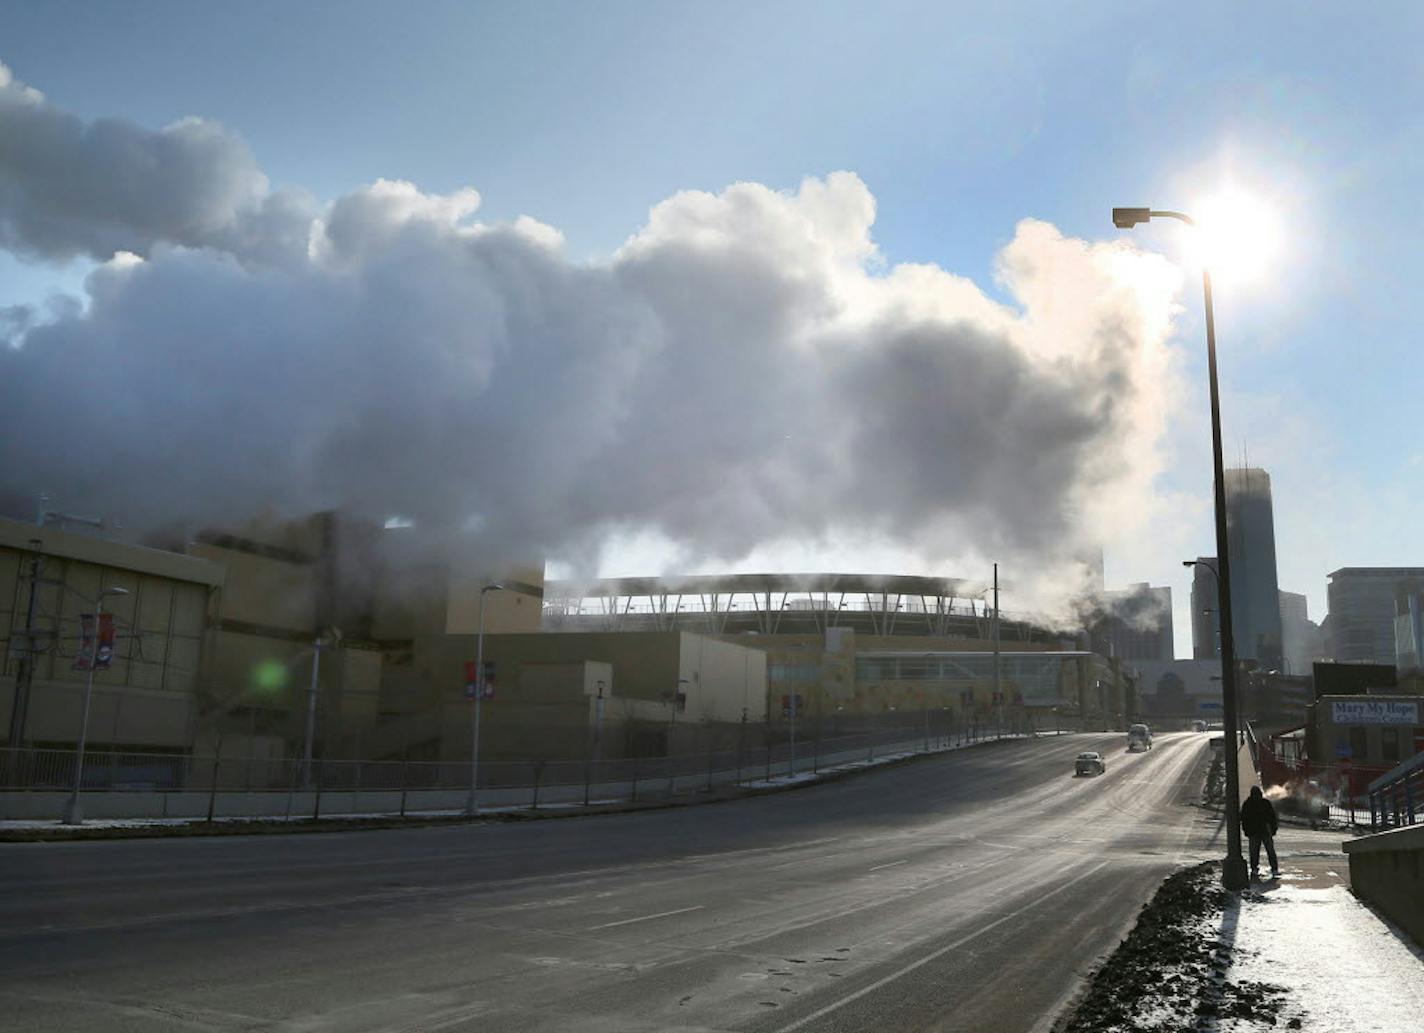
747 374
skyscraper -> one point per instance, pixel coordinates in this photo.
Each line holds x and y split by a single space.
1138 625
1255 594
1301 641
1206 621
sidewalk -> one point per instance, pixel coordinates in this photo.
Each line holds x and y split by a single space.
1298 953
1344 968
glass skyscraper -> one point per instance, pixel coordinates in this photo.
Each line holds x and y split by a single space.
1255 594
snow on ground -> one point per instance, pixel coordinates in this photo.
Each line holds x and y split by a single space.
1345 968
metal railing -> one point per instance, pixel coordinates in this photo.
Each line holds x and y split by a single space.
1397 796
32 781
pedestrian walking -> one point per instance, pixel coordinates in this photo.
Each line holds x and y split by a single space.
1258 821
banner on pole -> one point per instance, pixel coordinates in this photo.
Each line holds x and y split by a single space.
84 659
104 646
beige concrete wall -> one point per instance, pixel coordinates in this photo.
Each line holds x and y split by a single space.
512 610
263 591
148 695
724 680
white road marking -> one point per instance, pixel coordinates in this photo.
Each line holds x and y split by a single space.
892 864
933 955
647 918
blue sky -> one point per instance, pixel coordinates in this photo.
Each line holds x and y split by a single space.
961 119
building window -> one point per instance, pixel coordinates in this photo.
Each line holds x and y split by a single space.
1389 744
1359 745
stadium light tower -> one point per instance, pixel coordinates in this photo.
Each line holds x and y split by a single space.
1233 867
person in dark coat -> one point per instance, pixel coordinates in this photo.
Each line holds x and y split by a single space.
1258 821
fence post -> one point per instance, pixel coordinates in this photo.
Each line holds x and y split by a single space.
213 789
711 762
635 778
405 765
816 747
538 774
768 758
741 746
587 778
291 789
316 806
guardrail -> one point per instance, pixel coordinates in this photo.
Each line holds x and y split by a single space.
1397 795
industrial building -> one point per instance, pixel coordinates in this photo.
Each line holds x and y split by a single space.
360 640
153 694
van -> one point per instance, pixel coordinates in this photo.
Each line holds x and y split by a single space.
1139 737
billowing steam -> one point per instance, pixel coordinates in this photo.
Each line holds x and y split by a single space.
746 369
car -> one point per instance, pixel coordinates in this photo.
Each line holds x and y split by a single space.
1198 726
1089 763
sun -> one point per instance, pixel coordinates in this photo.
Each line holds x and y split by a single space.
1237 236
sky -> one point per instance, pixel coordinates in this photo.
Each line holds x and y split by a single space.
960 121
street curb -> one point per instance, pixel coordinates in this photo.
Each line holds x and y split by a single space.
336 823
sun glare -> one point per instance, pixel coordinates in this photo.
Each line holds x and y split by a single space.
1237 236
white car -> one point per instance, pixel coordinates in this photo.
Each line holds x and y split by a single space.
1089 763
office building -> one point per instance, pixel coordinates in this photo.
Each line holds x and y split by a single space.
1138 625
1360 626
1301 641
1206 621
1255 594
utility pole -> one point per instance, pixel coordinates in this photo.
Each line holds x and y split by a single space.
25 672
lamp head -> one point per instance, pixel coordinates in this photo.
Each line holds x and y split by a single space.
1126 218
492 587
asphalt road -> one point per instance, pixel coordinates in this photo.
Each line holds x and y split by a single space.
969 891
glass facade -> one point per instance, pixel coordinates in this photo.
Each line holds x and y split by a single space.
1255 594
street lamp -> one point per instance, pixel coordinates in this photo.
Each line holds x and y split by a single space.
333 637
472 805
73 809
1233 868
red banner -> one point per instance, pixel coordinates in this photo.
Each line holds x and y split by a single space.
85 656
96 642
104 653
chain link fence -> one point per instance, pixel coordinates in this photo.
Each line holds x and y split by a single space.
116 784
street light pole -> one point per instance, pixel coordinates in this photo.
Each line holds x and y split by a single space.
73 809
472 805
1233 867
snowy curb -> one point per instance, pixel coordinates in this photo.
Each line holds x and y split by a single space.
1172 972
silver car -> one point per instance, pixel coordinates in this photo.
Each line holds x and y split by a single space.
1089 763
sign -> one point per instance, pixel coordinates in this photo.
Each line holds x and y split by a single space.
1207 705
104 653
1374 712
790 705
473 688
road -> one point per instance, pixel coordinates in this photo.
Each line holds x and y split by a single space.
967 891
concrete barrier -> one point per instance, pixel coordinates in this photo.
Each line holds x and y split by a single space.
1387 870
